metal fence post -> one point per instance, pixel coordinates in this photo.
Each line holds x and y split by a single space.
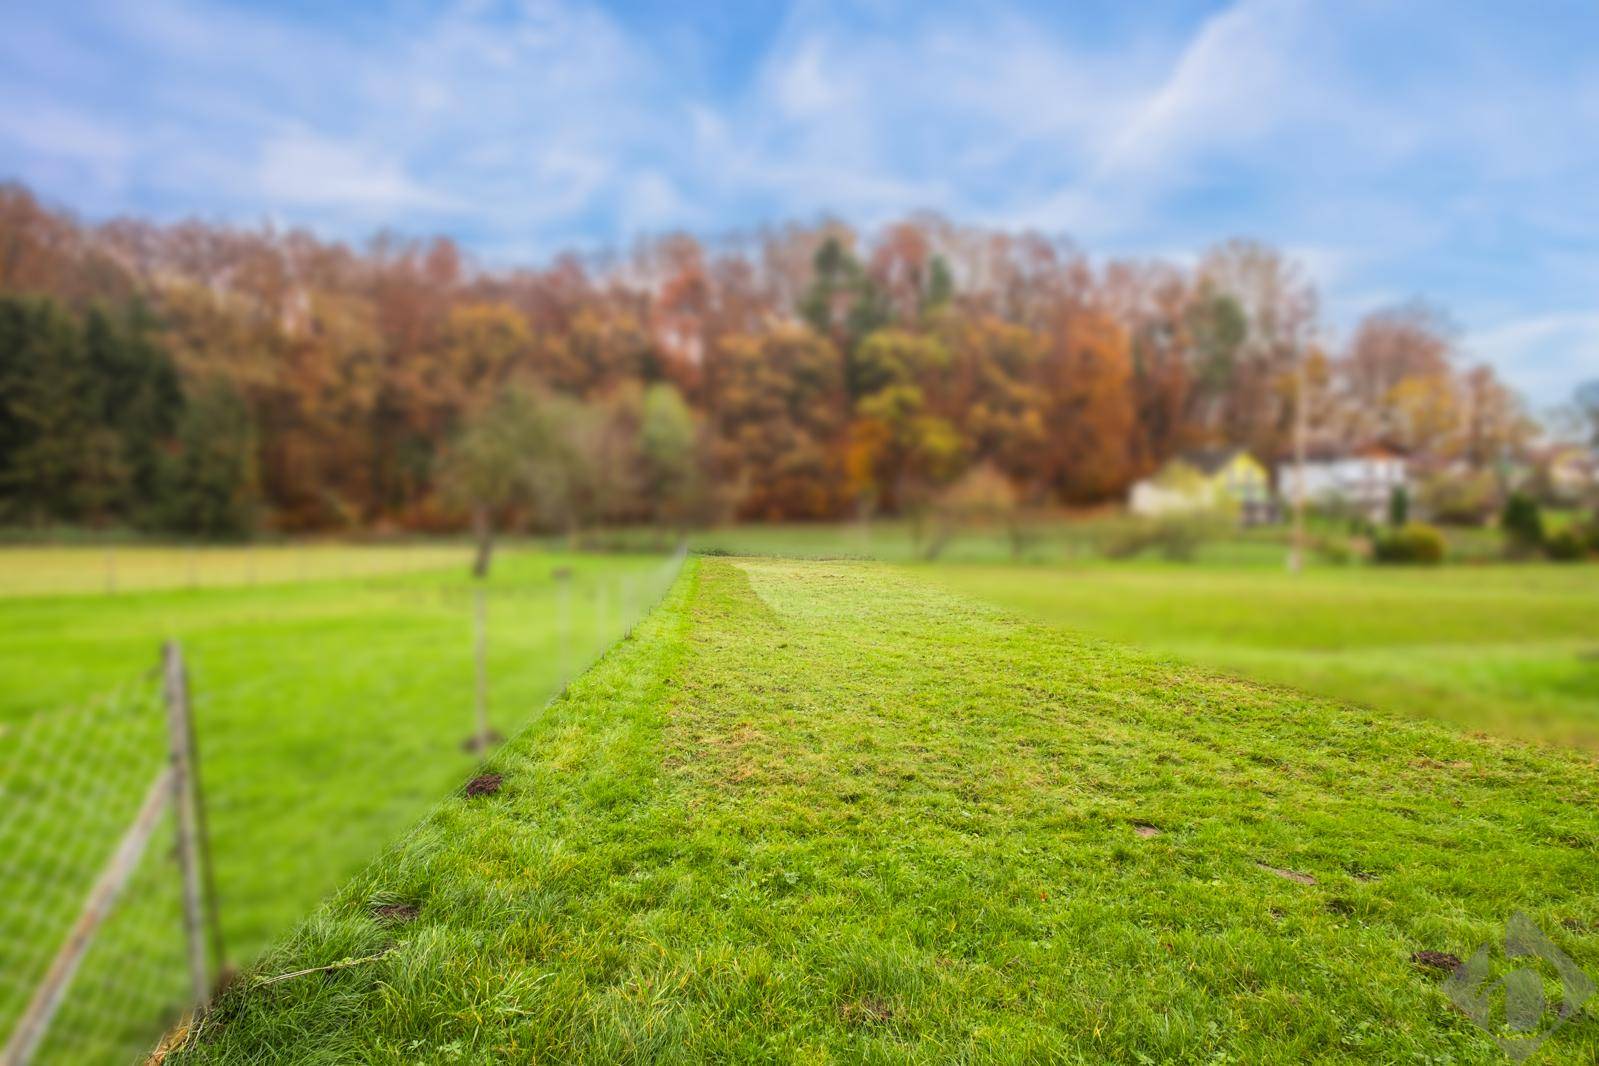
180 733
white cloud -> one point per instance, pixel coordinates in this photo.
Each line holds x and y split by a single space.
801 86
51 129
652 202
1544 356
1233 82
306 170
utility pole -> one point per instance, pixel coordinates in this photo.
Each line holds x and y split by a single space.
1296 554
480 659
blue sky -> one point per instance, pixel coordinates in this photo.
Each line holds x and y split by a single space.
1443 150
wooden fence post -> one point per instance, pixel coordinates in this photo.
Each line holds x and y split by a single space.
181 738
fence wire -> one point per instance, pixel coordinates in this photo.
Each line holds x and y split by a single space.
70 783
326 726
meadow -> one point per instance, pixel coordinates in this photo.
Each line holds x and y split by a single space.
1512 649
330 712
819 811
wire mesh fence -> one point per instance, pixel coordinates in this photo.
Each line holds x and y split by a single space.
71 784
327 722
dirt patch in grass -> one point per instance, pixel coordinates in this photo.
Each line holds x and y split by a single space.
395 913
870 1011
741 736
1146 831
483 785
1288 875
1435 960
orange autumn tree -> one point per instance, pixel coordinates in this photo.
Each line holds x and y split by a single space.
780 418
1088 407
994 391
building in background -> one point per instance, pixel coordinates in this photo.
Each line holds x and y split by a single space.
1210 479
1566 473
1361 482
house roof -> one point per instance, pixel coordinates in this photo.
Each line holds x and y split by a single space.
1209 460
1565 453
1327 451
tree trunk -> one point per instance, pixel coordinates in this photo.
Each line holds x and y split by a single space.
483 530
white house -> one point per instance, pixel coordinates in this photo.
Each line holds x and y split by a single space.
1363 481
1571 471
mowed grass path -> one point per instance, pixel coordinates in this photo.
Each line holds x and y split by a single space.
1513 648
817 812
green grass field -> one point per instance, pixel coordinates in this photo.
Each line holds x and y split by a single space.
1512 648
330 716
833 812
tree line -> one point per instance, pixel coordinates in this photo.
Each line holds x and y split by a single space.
216 380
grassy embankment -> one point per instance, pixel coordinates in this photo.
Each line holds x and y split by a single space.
833 812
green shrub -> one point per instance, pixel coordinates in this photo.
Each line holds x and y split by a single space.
1398 506
1179 537
1522 524
1463 499
1124 542
1175 536
1565 545
1414 542
1334 550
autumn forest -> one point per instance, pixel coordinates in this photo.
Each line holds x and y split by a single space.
214 380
